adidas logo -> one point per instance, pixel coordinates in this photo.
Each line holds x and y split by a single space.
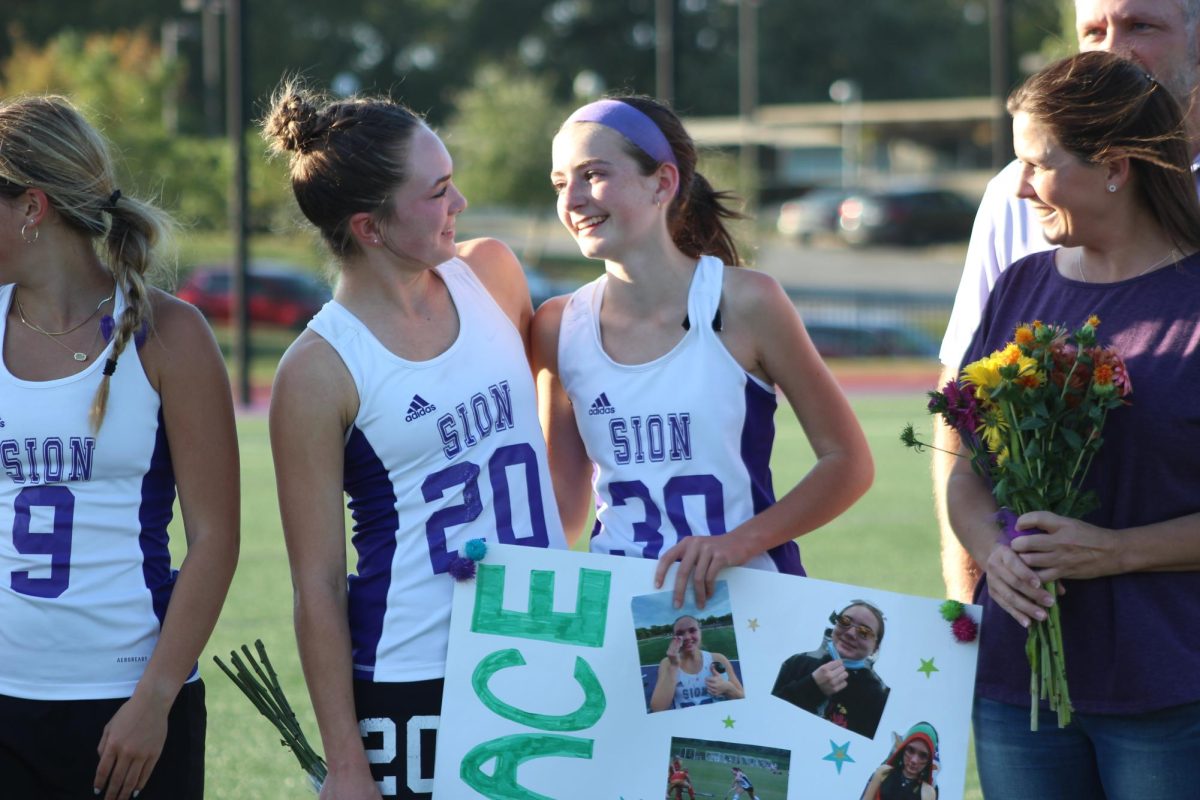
418 408
601 406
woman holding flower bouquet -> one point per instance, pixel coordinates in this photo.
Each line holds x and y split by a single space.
410 393
1107 169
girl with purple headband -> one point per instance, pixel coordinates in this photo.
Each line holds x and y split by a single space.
657 380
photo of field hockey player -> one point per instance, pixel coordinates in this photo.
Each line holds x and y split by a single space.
727 770
687 657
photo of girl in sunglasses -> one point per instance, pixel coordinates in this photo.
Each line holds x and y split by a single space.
837 681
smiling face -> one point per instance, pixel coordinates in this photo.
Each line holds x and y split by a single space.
423 209
1154 33
604 200
1066 192
687 630
851 643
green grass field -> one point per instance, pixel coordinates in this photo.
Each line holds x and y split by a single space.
715 780
888 540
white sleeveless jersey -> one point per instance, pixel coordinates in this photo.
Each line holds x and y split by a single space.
85 574
441 452
682 444
691 690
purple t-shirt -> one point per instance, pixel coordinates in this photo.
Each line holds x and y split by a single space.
1132 641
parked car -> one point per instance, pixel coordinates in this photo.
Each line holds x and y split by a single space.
905 216
812 215
279 294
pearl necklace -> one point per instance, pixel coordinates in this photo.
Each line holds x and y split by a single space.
1171 254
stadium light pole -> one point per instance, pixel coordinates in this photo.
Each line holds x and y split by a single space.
235 116
748 97
664 50
999 25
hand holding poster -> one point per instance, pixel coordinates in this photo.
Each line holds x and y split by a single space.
570 676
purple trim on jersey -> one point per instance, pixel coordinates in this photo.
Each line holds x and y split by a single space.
154 515
373 506
758 435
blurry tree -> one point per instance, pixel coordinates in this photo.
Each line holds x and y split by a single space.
118 81
426 51
500 138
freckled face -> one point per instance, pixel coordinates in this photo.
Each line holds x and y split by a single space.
604 200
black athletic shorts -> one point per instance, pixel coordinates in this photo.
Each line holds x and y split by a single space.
48 748
399 722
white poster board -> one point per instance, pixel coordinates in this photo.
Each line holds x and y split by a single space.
548 684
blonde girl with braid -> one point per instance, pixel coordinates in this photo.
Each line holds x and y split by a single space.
112 394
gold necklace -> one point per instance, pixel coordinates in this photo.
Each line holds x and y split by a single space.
52 335
1083 275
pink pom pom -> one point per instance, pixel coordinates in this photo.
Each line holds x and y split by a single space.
964 629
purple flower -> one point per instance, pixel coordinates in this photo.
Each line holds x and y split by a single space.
962 410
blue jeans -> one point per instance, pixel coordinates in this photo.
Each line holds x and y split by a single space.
1150 756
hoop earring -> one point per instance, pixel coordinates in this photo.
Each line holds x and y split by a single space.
36 233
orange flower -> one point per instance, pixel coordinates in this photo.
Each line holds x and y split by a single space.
1103 375
1093 320
1023 335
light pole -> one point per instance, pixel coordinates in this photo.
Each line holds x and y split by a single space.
748 97
848 94
664 50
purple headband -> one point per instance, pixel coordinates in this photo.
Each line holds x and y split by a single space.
631 123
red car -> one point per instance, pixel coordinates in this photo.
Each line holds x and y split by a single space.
278 294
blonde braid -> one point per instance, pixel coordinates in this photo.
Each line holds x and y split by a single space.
131 242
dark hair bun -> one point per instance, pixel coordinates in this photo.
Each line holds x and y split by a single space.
294 124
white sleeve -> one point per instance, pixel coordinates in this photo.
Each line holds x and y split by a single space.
1005 231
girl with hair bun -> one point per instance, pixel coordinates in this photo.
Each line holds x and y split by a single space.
657 380
111 394
411 392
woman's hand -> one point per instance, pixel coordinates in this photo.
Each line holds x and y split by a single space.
1069 548
129 747
720 683
831 677
1014 586
673 650
350 785
701 559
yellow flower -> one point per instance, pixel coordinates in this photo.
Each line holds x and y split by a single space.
1093 320
993 428
1011 354
983 374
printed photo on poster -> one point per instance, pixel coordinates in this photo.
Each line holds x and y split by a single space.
686 656
837 681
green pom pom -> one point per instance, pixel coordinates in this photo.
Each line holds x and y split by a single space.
951 610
